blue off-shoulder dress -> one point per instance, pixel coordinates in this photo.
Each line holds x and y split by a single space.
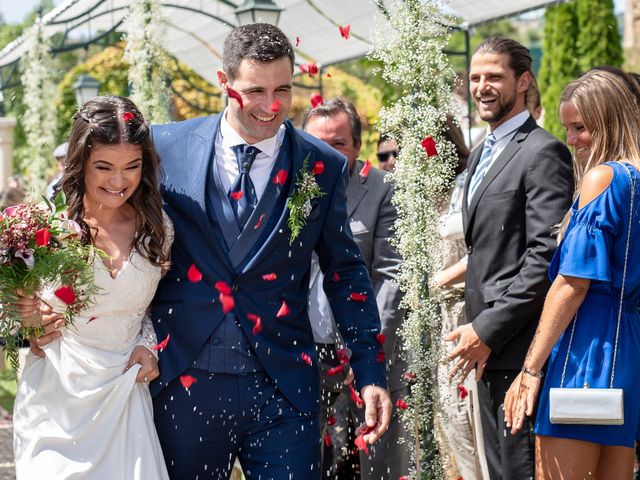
593 247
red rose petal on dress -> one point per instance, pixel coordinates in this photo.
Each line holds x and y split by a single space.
259 222
462 391
380 356
355 397
187 381
227 302
401 404
284 310
357 297
275 106
128 116
162 344
335 370
327 440
233 94
335 277
297 41
66 294
429 145
223 287
331 420
305 358
343 356
316 99
269 277
257 322
280 178
42 237
381 337
318 167
236 195
193 274
365 170
345 31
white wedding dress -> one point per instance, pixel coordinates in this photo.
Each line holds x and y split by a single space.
78 414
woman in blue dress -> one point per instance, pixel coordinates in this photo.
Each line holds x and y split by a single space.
602 122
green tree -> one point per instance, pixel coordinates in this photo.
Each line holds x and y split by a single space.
598 40
559 61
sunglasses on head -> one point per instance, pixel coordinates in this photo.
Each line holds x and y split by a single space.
386 156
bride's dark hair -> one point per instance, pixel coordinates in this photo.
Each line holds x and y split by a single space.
112 120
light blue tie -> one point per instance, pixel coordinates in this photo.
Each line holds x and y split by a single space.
483 166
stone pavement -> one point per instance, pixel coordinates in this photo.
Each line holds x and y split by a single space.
7 471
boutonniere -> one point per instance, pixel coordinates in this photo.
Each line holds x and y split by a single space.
306 189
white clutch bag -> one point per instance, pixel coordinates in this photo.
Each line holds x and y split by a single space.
589 406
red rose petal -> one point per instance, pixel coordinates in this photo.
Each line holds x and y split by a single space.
355 397
193 274
360 442
331 420
429 144
365 170
42 237
259 222
275 106
316 99
380 356
187 381
328 75
335 370
284 310
357 297
335 277
128 116
223 287
345 31
318 168
281 177
233 94
227 302
305 358
463 392
401 404
66 294
410 376
162 344
269 277
381 337
327 440
257 323
297 41
404 477
343 356
310 68
236 195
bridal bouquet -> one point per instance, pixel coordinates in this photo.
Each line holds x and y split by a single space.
38 247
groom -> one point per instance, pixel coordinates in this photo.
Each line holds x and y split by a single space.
238 373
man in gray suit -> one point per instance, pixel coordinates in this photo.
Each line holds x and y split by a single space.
518 188
371 220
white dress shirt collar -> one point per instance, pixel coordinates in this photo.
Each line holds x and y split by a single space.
511 125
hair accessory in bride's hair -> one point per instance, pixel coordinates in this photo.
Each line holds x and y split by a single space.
128 116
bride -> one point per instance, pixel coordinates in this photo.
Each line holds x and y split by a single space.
83 409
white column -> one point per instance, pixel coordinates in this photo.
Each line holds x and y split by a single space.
6 149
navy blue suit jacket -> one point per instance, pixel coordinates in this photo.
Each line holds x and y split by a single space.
189 312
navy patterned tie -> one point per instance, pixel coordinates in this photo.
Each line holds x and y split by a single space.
483 166
242 194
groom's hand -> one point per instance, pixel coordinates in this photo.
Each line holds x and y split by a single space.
377 411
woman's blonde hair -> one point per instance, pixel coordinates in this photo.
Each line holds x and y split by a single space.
610 113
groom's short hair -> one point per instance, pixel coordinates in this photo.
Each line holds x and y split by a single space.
258 41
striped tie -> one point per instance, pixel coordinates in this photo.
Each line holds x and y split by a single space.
483 166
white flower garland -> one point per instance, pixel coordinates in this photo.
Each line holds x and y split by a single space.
145 27
39 119
412 53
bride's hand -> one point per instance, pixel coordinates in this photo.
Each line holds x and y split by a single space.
520 400
52 323
148 364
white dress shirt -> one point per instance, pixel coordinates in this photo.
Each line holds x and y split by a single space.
227 164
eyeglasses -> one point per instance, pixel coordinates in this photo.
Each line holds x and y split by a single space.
386 156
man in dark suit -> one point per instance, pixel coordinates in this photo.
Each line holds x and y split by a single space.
251 199
371 217
519 187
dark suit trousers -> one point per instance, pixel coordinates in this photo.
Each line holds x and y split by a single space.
222 416
509 457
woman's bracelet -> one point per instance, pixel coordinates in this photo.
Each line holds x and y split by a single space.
539 374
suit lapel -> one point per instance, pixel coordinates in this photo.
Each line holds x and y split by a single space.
356 189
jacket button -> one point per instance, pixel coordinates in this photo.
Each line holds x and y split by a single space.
469 249
235 287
